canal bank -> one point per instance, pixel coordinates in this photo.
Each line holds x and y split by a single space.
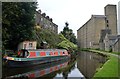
88 62
110 68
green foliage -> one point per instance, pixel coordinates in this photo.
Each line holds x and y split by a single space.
18 22
46 35
66 44
62 37
54 40
68 33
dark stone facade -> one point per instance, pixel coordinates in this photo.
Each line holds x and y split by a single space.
45 22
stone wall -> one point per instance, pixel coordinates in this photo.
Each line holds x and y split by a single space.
88 35
45 22
111 20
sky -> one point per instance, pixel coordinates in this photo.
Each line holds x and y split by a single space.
75 12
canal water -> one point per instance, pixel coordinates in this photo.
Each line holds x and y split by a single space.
82 67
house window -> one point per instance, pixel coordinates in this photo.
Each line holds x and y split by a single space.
53 28
41 19
25 45
30 44
107 21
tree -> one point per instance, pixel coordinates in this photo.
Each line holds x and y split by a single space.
18 23
68 33
48 36
66 44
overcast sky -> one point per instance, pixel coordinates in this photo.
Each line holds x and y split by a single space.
75 12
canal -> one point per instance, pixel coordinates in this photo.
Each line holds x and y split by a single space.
83 66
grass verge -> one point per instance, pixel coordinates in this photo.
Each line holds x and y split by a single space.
109 69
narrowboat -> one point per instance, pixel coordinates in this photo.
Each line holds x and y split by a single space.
35 56
37 71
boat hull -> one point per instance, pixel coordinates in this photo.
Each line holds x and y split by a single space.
34 61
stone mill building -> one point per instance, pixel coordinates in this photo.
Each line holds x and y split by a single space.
93 32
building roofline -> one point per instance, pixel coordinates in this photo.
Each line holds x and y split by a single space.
99 16
84 24
116 41
110 5
93 16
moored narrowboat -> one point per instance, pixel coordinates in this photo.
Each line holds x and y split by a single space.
36 71
35 56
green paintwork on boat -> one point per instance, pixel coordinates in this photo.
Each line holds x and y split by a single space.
36 58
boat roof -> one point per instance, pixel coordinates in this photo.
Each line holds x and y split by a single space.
47 50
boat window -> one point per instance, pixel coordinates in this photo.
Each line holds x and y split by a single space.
23 53
26 53
47 53
30 44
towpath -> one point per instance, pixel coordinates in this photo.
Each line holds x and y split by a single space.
106 53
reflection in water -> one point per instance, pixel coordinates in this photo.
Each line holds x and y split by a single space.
71 71
36 71
75 72
50 70
87 63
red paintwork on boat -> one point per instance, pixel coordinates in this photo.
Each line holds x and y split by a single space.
33 54
42 53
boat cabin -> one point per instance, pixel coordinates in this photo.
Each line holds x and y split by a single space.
23 53
27 45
